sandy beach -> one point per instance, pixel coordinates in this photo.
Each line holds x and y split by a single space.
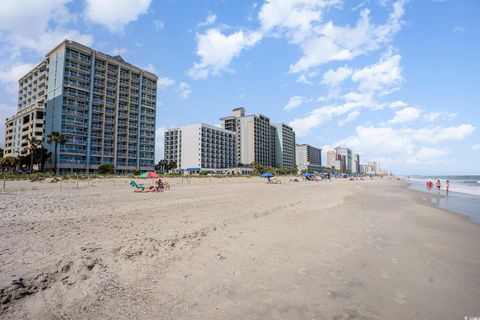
234 248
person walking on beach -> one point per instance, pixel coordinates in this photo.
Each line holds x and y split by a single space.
429 185
447 186
439 186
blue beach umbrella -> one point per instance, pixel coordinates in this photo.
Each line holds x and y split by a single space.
266 175
308 174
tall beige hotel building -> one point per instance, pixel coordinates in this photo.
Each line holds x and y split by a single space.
103 105
260 141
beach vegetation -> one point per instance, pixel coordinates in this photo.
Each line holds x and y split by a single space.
56 138
106 169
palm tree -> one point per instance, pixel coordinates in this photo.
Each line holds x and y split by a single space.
56 138
9 163
33 144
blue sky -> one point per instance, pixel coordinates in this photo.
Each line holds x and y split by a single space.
397 81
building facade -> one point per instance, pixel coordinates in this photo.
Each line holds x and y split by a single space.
104 106
308 158
173 146
356 163
28 122
331 157
284 146
255 137
347 153
201 146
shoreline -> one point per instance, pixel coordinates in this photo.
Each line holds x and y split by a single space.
462 204
235 249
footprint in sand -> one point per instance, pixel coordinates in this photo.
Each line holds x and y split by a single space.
395 261
385 274
302 271
399 298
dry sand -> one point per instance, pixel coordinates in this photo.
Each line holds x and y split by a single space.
234 248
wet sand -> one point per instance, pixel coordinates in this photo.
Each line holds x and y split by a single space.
234 248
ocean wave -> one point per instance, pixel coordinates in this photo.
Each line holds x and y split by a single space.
468 189
460 186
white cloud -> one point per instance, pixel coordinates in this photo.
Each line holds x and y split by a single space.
36 25
301 23
334 43
217 51
332 94
432 116
295 17
458 29
9 76
406 115
318 116
376 141
184 90
426 155
115 14
379 76
436 115
211 18
333 78
294 102
402 145
475 147
350 117
438 134
164 82
397 104
303 79
158 24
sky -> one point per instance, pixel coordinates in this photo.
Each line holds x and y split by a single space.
397 81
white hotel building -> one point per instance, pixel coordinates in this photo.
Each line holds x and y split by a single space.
201 146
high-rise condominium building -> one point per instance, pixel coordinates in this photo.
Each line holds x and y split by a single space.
259 141
347 153
356 163
255 137
284 146
308 158
28 121
104 106
201 146
331 157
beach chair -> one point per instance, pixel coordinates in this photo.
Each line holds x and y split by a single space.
137 186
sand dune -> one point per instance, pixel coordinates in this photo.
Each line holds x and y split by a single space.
234 248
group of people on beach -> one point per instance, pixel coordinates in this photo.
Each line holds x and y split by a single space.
438 185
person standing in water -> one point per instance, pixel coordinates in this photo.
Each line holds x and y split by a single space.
447 186
429 186
439 186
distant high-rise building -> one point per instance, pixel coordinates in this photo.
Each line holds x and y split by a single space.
308 158
201 146
104 106
331 157
347 153
254 137
28 121
356 163
284 146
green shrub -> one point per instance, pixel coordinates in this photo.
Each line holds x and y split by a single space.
106 169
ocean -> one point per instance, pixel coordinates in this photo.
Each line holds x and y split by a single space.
463 197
